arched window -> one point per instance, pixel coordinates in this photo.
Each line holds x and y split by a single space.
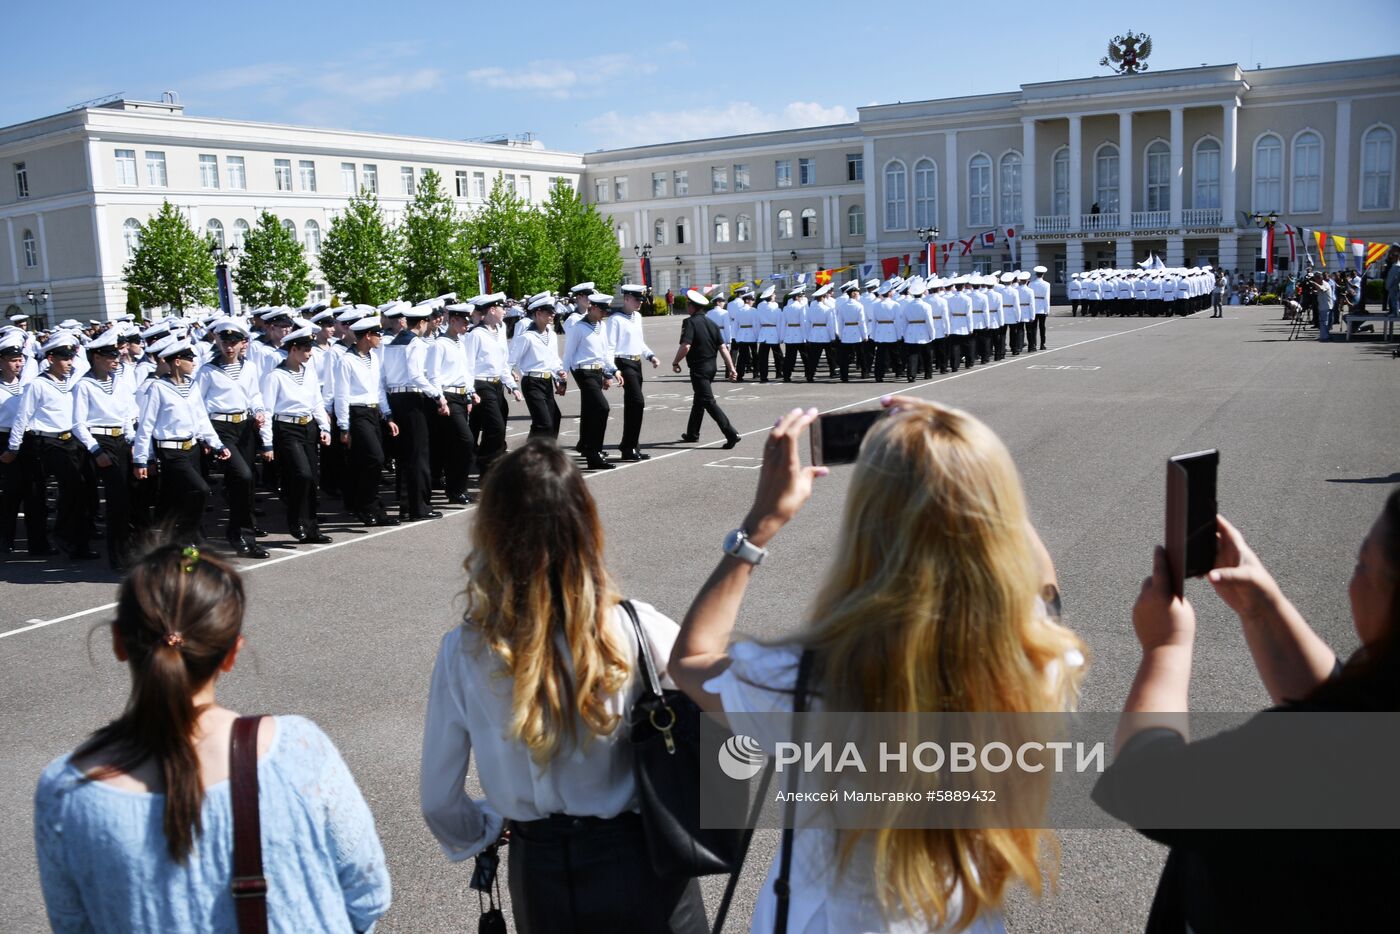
215 229
1158 176
925 193
1307 172
682 230
1268 173
1205 174
131 235
896 198
855 221
785 224
979 189
721 229
809 222
313 238
31 249
290 226
743 228
240 231
658 232
1010 173
1377 168
622 238
1106 178
1059 175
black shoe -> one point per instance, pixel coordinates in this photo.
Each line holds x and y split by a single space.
258 532
365 518
298 532
317 538
731 441
248 548
597 463
430 514
385 519
635 455
460 499
693 439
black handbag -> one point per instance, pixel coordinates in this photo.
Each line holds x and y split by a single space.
665 735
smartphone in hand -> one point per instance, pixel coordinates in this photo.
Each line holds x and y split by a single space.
836 437
1191 511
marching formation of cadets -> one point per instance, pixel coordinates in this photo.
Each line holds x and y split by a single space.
1168 291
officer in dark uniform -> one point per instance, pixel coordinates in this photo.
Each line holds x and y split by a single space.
701 343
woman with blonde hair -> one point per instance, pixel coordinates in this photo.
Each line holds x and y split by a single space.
941 599
538 679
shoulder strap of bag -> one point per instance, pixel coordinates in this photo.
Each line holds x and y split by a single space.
749 827
651 681
249 885
781 888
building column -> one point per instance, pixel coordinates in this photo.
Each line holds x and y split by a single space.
1076 175
1126 161
1176 251
867 160
1028 208
1028 256
826 222
43 249
1229 253
14 256
950 164
1341 163
1178 176
1123 253
1074 257
1229 157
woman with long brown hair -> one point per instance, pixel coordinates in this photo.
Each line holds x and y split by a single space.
134 828
537 681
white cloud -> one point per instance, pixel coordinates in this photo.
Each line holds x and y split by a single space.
558 79
613 130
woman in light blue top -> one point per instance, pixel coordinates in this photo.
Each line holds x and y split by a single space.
134 829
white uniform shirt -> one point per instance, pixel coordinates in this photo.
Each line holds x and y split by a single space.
1074 290
978 300
228 390
533 351
917 321
168 416
102 404
1040 292
448 365
1170 287
1027 302
770 322
488 355
625 334
719 314
992 296
359 381
886 322
819 322
794 322
283 395
46 404
11 395
851 327
743 322
590 347
959 313
1153 290
405 363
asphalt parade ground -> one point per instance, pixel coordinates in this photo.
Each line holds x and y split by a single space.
346 633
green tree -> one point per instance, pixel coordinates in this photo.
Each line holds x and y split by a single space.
583 239
171 264
362 257
522 258
272 269
437 257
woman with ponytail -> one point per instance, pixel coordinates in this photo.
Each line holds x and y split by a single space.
134 828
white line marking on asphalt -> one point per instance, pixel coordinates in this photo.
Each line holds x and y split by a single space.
655 459
754 463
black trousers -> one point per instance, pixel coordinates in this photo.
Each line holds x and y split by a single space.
459 448
62 461
298 449
1018 336
1039 324
411 411
982 344
593 410
364 461
544 410
702 401
813 357
764 352
634 403
745 357
791 352
581 875
1029 327
488 421
116 490
887 358
184 494
242 442
918 357
333 461
21 482
845 353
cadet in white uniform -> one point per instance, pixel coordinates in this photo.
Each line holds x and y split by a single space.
413 400
1040 303
489 355
18 473
819 329
770 337
794 331
886 326
589 357
450 370
362 408
624 332
104 420
534 355
851 332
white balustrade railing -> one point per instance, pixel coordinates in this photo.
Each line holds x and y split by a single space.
1051 223
1100 221
1200 217
1146 220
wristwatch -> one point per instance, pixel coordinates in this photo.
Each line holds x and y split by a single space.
737 544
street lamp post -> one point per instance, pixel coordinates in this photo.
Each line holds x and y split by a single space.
35 301
928 235
483 256
1266 222
643 254
222 257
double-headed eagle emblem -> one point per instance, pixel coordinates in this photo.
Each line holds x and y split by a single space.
1126 53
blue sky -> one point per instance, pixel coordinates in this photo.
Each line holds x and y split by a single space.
615 74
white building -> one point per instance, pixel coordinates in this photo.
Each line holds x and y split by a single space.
75 186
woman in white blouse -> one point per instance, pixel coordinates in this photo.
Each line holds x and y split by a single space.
936 602
537 680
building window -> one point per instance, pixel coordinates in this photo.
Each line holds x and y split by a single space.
237 173
1158 177
348 181
21 181
979 189
658 232
1011 188
622 238
479 186
682 231
721 229
896 198
743 274
721 275
782 172
855 221
313 238
1268 174
785 224
509 181
806 171
240 232
1307 173
743 228
855 167
282 169
680 182
663 280
719 179
126 167
370 177
527 188
131 235
290 226
620 188
461 181
741 176
215 230
155 169
658 184
1377 161
1059 172
31 250
208 171
809 222
1106 179
925 193
408 180
600 190
1205 174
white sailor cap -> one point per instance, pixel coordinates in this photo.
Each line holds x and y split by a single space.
1007 278
130 332
872 283
229 325
499 298
634 289
106 340
794 293
350 315
917 287
545 302
598 298
367 323
70 324
1040 270
274 315
125 318
696 297
156 346
584 288
710 290
460 309
300 336
19 317
446 298
767 292
325 316
12 344
156 330
852 286
1023 276
822 291
902 288
418 312
175 347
